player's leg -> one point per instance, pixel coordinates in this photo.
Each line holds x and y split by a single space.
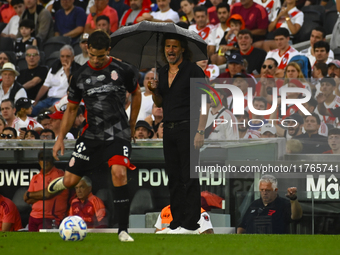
67 181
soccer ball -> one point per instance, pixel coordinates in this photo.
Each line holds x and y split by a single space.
73 228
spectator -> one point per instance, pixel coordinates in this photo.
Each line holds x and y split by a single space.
159 134
312 142
333 112
294 123
271 6
254 56
268 131
55 205
271 214
12 28
155 118
103 23
9 133
317 34
147 103
22 122
202 28
243 127
143 130
220 120
255 18
44 119
235 23
56 118
212 12
31 135
56 82
2 123
331 100
9 215
321 53
165 13
102 8
47 134
4 58
88 206
268 70
70 20
283 53
131 16
211 71
240 80
319 71
83 57
10 88
26 27
120 6
42 19
165 217
334 69
8 111
34 76
293 146
55 5
187 15
257 121
221 28
6 12
333 141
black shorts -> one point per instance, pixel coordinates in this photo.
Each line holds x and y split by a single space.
90 154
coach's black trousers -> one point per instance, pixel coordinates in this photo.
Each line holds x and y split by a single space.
185 199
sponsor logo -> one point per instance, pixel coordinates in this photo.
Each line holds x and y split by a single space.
88 81
101 77
102 89
78 155
81 147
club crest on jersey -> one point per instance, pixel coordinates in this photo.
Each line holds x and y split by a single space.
284 60
114 75
72 161
88 81
101 77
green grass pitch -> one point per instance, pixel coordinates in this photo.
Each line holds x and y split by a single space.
24 243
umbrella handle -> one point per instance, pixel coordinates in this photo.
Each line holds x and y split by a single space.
157 39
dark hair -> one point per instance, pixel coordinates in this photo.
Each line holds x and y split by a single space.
323 67
334 131
48 131
316 116
32 47
322 44
274 61
235 21
99 40
281 31
187 54
27 23
103 17
33 132
8 100
48 156
320 29
15 2
312 102
261 99
15 134
245 32
190 1
223 5
200 8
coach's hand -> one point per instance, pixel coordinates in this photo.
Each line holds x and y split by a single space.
58 146
152 85
198 141
291 193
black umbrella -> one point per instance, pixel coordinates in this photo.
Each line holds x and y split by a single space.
138 44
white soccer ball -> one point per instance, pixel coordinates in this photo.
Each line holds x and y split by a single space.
73 228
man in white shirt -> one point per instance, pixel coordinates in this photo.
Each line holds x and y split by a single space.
56 82
12 28
284 51
271 6
9 87
317 34
147 102
165 13
202 28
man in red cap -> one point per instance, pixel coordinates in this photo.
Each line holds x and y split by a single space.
56 118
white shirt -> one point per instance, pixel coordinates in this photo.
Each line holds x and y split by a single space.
212 71
145 107
251 134
80 59
223 131
283 59
21 93
271 6
217 35
312 59
204 222
12 27
57 83
170 14
205 33
296 17
30 123
328 119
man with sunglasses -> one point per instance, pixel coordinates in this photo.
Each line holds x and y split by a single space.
8 133
33 77
268 70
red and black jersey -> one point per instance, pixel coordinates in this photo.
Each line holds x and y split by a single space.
103 91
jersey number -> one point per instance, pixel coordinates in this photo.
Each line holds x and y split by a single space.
125 151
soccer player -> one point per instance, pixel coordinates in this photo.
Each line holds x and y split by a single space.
102 84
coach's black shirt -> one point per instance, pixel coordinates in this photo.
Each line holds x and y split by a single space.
176 99
271 219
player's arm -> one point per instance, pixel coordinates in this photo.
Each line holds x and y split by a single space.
241 230
6 226
136 100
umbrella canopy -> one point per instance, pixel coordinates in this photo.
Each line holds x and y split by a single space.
139 44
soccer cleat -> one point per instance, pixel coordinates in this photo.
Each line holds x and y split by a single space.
164 231
125 237
184 231
53 187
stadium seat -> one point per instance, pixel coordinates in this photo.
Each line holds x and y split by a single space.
314 13
52 58
337 53
76 48
12 56
331 17
23 208
305 31
6 44
142 202
55 44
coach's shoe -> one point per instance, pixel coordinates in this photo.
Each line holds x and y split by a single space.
125 237
56 185
174 231
164 231
187 231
